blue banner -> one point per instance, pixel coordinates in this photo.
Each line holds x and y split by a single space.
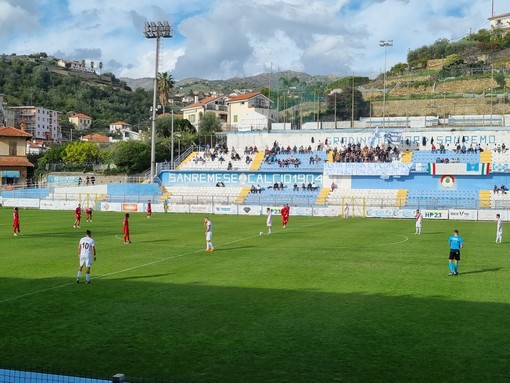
367 169
237 179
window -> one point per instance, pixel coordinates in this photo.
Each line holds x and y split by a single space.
235 117
13 148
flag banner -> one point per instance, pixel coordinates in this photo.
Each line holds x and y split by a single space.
459 169
394 137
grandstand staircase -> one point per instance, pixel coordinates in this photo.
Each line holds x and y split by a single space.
407 156
401 198
486 157
186 160
166 194
257 161
485 198
323 196
242 196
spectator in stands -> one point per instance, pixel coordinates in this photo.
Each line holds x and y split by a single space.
303 187
275 186
248 159
87 180
309 186
495 189
503 148
253 189
312 160
296 187
503 189
314 187
281 186
434 149
93 180
333 186
478 148
221 159
442 149
229 166
79 181
259 189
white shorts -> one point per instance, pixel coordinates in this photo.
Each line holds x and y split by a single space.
208 236
418 224
86 261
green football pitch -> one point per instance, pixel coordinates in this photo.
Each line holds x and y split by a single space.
323 300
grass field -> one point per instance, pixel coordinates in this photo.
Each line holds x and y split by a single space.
325 300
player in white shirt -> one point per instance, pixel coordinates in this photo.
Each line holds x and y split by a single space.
269 220
86 250
419 218
208 235
499 229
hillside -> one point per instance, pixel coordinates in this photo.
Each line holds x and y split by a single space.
37 80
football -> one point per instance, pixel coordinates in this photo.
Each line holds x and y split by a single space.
261 233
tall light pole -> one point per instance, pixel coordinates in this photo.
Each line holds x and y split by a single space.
155 30
385 44
172 142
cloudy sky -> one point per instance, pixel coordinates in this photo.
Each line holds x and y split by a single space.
218 39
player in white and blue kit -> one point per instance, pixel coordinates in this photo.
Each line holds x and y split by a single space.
86 250
499 229
209 247
456 243
269 220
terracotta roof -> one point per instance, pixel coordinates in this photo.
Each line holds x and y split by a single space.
14 161
9 131
246 96
120 123
203 102
94 137
80 115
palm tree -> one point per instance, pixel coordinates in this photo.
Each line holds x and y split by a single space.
92 65
165 86
100 66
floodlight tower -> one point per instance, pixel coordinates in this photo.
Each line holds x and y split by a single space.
384 44
155 30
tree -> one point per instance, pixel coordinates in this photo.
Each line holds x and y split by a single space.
209 124
52 156
344 104
500 79
100 66
165 86
92 65
81 153
131 156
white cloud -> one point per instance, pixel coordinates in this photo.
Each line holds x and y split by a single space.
223 38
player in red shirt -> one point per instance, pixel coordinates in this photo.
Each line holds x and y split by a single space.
77 217
149 209
88 214
15 222
127 239
285 215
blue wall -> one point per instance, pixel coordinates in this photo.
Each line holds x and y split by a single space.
429 182
133 189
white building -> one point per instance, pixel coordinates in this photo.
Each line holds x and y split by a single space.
41 123
500 21
124 129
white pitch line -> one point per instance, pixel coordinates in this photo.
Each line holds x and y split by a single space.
148 264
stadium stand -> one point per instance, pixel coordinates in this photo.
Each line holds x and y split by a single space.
371 197
278 197
203 195
427 156
442 199
301 162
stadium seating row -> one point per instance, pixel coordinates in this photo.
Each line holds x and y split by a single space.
427 156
